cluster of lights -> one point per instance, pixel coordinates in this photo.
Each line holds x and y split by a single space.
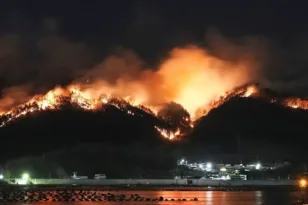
201 166
183 162
227 177
206 167
209 166
25 177
222 171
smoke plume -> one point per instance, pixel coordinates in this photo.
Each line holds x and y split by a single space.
191 76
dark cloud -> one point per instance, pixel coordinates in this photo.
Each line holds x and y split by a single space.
60 59
280 67
287 68
48 60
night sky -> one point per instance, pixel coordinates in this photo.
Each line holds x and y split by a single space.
152 28
115 20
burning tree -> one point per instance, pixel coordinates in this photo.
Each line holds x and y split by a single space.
175 115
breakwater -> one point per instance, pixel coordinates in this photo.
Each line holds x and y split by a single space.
70 196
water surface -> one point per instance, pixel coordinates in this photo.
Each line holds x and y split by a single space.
204 198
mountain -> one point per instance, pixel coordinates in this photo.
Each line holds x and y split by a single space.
53 129
123 138
247 120
109 141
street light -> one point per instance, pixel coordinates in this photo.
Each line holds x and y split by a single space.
1 176
25 176
258 166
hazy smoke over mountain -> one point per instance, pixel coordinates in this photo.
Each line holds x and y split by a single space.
191 76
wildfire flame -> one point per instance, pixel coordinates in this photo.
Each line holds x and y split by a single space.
190 77
296 103
169 134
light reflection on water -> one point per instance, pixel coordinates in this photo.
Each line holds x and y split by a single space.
204 198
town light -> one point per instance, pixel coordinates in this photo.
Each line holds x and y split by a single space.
223 169
25 176
209 165
303 183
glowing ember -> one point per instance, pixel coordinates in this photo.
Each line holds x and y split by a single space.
296 103
169 134
250 91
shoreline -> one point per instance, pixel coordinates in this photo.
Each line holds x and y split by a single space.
150 188
152 184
